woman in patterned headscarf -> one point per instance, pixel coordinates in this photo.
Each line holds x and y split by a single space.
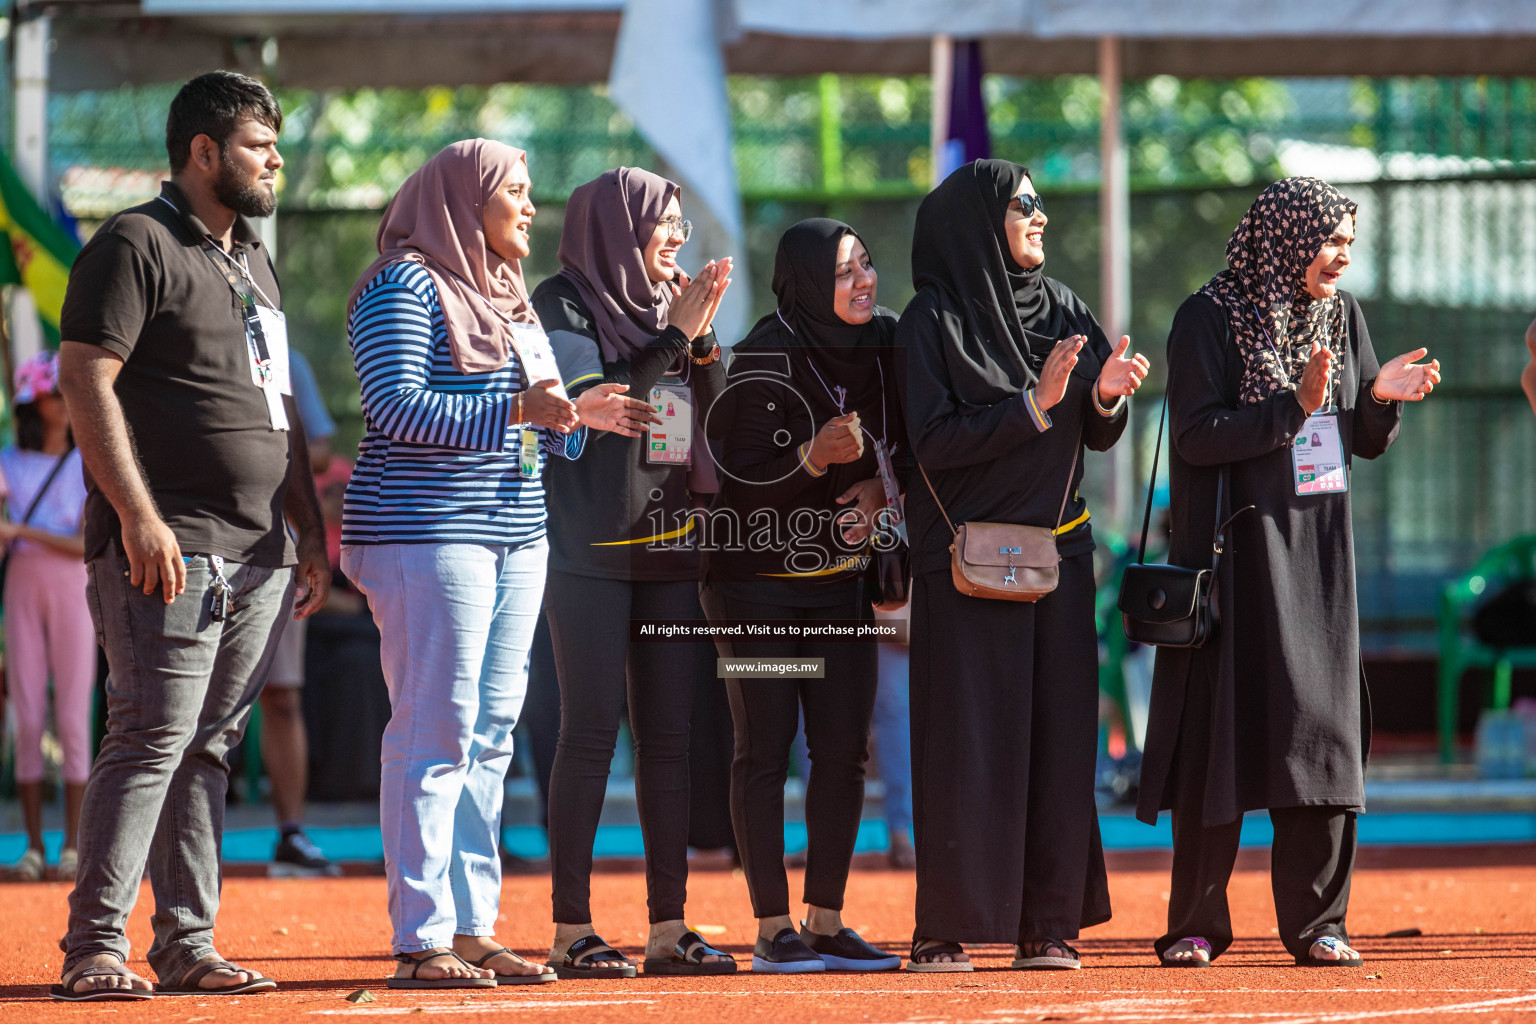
1272 387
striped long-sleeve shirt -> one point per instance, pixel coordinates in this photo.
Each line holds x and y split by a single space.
439 462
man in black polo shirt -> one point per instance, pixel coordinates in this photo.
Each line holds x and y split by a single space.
174 368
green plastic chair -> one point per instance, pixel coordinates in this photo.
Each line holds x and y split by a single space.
1460 650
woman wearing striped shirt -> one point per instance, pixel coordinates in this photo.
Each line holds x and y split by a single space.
443 530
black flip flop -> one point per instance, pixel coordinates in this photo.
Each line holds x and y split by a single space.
1333 943
688 959
937 947
589 950
65 991
1193 961
420 983
542 978
186 985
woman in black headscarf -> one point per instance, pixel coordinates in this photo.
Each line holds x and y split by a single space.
809 417
1009 376
1272 387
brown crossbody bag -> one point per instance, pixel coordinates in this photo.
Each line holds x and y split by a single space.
1005 561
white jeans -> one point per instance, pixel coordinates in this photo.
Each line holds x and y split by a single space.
456 622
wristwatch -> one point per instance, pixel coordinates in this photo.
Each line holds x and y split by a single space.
711 356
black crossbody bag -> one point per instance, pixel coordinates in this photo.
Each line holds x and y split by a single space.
1170 605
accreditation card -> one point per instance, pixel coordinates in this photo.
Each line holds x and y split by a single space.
1317 455
537 356
671 440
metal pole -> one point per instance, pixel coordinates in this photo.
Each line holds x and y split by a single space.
30 92
942 66
1115 257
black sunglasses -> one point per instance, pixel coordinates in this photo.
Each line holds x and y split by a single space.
1028 204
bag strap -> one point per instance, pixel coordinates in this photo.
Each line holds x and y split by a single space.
37 499
1157 450
1061 513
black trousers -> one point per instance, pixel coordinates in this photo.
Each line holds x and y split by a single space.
1005 706
589 623
766 712
1310 868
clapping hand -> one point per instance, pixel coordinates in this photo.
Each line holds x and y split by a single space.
1122 374
697 299
605 407
543 408
1052 386
1403 380
1313 392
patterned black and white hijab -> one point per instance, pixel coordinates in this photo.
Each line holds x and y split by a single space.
1272 317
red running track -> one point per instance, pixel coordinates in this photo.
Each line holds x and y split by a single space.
1475 961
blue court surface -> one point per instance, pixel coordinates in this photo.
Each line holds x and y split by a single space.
362 843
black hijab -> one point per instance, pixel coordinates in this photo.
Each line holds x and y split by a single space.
828 353
959 247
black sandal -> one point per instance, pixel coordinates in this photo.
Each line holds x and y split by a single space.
418 983
542 978
586 951
937 947
1331 942
1196 945
1037 961
186 985
65 990
688 959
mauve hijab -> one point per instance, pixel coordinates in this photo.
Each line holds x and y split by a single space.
437 220
608 223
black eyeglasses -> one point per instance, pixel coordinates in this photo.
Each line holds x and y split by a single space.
1027 205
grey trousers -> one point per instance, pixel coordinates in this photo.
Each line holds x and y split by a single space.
179 693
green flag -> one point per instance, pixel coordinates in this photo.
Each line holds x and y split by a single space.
37 252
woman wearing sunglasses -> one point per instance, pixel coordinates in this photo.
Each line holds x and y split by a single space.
1009 378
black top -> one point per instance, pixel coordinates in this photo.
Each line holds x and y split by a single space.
801 365
1289 721
611 513
144 289
991 455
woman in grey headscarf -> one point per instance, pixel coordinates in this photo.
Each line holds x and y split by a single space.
623 548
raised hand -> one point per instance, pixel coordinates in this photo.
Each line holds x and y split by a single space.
1122 374
840 439
697 299
605 407
543 408
1404 380
1058 371
1313 392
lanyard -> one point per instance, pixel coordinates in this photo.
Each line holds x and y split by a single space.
235 273
841 393
1279 361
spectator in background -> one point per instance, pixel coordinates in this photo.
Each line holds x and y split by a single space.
284 742
171 365
1528 378
47 623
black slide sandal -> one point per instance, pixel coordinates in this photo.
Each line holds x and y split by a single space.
65 991
1194 961
544 977
588 950
688 959
414 982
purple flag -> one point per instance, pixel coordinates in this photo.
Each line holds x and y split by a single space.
966 136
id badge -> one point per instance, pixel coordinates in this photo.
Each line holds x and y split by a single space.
537 356
272 374
528 452
1317 456
895 515
671 441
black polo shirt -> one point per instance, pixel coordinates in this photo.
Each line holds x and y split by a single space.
143 289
